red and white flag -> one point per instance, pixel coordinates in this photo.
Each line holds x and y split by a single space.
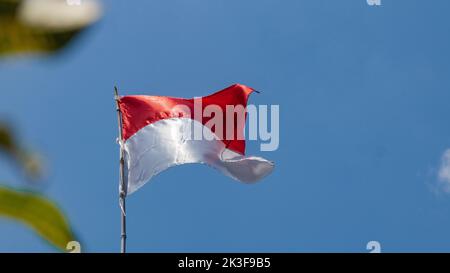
160 132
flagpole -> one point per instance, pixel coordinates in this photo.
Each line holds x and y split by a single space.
122 193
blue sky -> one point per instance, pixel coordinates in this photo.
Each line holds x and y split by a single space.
364 108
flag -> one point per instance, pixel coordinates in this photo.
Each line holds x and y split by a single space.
160 132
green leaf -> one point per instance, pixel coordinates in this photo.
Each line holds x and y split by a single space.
17 38
38 213
42 26
29 161
7 142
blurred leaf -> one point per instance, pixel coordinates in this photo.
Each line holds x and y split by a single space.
18 38
37 212
29 161
7 142
42 26
9 6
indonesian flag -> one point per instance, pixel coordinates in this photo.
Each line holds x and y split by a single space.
160 132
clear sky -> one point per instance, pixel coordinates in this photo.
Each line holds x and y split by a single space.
364 97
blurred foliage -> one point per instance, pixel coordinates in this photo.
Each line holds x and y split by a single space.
37 26
37 212
32 209
28 161
18 36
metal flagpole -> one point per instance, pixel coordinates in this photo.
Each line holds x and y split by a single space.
122 193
